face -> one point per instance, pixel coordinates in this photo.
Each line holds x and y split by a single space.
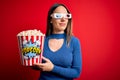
60 23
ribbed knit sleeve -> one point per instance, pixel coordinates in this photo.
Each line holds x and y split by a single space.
75 69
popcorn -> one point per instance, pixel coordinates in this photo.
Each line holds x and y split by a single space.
30 33
31 46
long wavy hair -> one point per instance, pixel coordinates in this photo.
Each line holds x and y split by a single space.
68 29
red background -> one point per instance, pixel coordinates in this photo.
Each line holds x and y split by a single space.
95 22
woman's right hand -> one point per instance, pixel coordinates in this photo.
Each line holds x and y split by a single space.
47 66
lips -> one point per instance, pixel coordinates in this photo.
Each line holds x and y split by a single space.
62 24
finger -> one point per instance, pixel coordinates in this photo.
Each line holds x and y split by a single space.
35 67
38 64
46 59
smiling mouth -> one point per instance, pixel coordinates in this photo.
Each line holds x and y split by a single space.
62 24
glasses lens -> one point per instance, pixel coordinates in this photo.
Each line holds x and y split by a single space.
61 15
57 15
68 16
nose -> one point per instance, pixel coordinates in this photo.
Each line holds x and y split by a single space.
63 19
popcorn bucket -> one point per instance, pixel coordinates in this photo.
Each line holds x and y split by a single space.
31 49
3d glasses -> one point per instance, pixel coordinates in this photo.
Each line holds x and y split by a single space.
61 15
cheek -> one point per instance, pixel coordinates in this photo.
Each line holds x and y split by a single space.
55 22
66 21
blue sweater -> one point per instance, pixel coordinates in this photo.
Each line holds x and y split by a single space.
67 60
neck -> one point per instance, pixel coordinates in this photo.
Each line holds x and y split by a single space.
60 32
58 35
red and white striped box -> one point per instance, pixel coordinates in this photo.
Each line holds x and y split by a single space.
31 49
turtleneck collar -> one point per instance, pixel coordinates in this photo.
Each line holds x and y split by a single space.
58 36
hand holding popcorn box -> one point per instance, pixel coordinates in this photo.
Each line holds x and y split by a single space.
30 46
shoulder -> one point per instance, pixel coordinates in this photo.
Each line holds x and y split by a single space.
75 43
47 37
75 40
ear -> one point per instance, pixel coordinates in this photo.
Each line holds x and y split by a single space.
51 21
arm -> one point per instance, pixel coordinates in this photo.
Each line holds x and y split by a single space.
75 69
71 72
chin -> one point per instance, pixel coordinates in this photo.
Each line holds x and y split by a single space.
62 29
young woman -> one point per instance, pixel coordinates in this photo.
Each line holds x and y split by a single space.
62 52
